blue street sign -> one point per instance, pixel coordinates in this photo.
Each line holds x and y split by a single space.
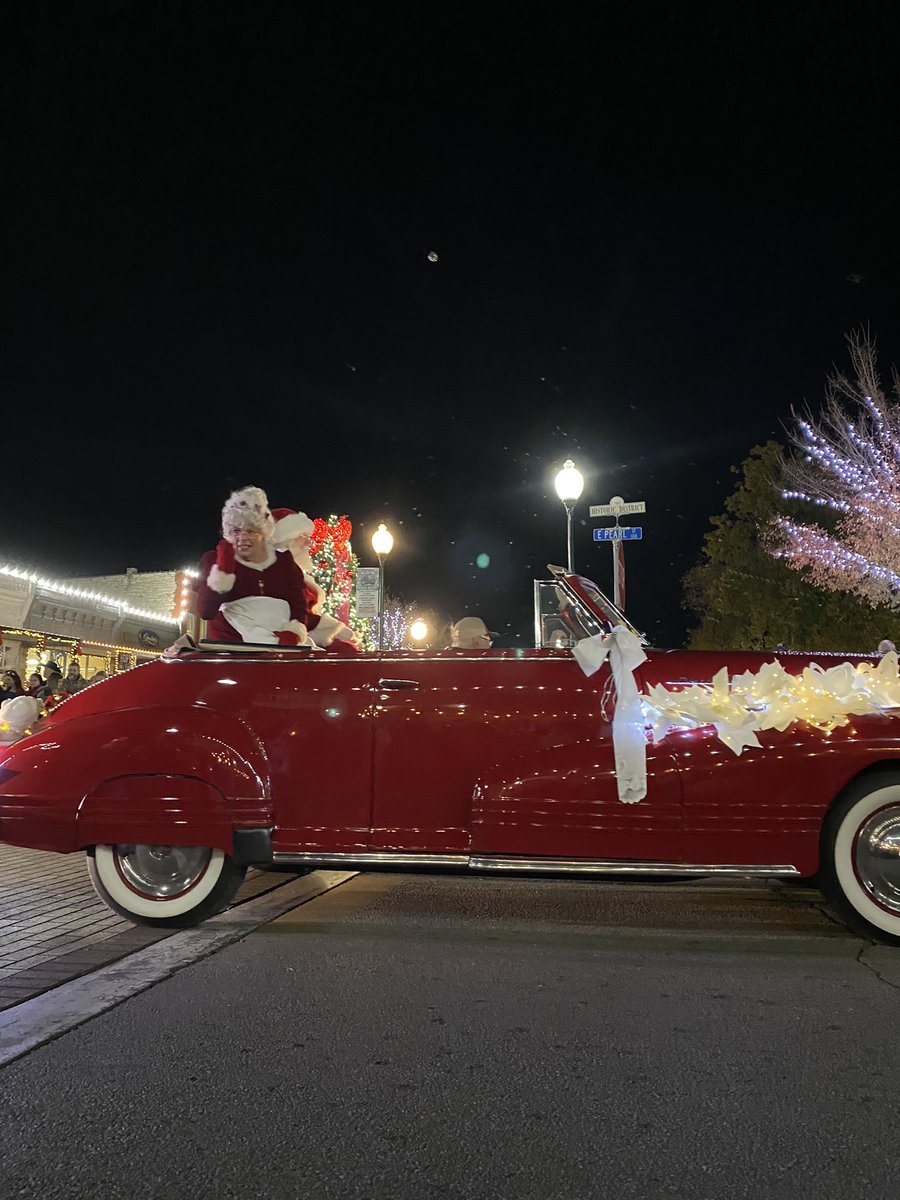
619 533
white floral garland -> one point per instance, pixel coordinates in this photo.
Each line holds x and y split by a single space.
738 709
772 698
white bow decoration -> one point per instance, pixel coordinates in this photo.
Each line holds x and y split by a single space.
625 653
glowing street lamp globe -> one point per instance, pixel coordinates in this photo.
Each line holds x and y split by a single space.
569 482
382 540
418 631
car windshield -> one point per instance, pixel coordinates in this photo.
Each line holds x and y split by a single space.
586 589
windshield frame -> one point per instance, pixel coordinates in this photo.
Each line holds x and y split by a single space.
593 598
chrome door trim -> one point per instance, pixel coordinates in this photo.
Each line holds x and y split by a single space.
620 866
372 858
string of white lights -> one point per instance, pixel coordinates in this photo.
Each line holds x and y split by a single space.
52 585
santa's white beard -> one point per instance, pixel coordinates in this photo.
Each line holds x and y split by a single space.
304 562
302 559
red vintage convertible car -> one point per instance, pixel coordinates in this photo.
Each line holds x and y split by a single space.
177 776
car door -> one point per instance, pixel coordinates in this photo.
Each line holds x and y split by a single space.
509 752
313 713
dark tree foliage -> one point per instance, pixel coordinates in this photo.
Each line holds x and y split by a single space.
746 599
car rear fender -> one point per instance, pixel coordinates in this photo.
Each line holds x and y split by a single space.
564 799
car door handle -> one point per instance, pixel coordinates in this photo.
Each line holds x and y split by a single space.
394 685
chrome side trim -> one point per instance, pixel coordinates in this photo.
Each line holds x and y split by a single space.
374 858
569 866
622 867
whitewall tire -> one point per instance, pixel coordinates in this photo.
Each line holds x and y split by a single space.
169 886
860 861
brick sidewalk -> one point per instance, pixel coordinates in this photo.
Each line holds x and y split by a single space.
53 927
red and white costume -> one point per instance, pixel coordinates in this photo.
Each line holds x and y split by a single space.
276 592
247 601
292 530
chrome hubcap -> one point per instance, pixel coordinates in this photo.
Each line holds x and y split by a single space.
162 872
877 853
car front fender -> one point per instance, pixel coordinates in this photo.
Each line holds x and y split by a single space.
152 775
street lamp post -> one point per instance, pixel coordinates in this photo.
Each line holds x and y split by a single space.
382 542
569 483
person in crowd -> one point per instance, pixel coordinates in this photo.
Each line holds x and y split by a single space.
35 683
245 589
56 693
75 681
292 532
99 677
51 670
12 683
885 646
470 633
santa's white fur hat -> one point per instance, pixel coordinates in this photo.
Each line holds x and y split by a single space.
290 524
247 508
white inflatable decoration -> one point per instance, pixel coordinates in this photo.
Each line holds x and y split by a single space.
17 715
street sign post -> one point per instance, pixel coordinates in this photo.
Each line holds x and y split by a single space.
617 535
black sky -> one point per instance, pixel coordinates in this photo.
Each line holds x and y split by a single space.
654 225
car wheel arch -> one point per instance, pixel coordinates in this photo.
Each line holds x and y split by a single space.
842 871
153 807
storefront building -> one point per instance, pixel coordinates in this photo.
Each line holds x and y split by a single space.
105 623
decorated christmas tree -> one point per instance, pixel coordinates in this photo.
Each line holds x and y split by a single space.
334 567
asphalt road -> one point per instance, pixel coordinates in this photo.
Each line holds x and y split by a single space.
412 1037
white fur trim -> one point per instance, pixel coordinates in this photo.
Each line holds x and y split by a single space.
327 629
299 628
219 581
267 562
291 526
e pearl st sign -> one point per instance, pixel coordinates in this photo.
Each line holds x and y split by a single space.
617 535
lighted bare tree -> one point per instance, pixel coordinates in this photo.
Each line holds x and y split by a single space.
847 463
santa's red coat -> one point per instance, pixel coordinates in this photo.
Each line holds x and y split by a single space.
283 580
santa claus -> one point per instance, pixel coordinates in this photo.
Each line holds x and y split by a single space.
246 589
292 532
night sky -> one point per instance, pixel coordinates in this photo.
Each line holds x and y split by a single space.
654 226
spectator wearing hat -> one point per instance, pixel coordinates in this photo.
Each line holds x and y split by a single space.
470 633
56 693
247 590
51 671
